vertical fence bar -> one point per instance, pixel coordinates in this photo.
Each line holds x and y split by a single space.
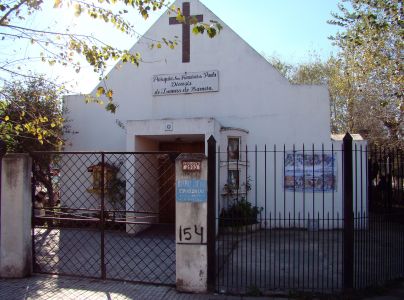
33 183
382 201
248 258
304 215
211 212
102 219
219 264
368 166
312 224
284 218
401 176
328 251
362 223
258 216
358 246
348 210
294 218
275 200
333 220
340 223
401 197
265 216
389 181
226 239
3 151
322 217
377 207
369 181
235 216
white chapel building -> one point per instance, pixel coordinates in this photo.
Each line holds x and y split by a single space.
245 96
221 87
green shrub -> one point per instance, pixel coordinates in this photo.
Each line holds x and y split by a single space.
240 213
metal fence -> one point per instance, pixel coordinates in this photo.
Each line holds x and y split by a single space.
318 218
379 250
105 215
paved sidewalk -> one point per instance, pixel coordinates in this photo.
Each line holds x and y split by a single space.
61 287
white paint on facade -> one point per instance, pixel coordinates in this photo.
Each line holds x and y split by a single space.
252 96
253 102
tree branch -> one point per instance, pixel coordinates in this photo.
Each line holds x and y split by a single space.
70 35
17 6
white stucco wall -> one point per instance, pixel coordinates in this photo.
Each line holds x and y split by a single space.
180 127
252 94
265 172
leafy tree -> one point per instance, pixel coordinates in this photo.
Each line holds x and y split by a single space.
66 48
31 119
371 68
365 79
326 73
31 115
69 49
319 72
284 68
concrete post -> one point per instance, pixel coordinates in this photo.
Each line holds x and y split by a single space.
191 223
15 218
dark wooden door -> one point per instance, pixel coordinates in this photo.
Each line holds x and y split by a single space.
167 178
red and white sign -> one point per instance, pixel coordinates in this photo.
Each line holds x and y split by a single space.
191 166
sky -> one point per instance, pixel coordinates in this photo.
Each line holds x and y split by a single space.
288 29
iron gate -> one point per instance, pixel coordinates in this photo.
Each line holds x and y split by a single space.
105 215
284 221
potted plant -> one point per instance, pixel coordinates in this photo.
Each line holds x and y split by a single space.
240 214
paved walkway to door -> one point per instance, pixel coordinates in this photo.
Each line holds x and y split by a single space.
43 287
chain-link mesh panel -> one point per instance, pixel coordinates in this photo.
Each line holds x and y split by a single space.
67 251
108 215
66 215
140 242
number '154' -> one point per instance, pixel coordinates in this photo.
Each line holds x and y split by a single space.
189 233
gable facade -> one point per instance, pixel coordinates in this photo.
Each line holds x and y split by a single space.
249 94
226 90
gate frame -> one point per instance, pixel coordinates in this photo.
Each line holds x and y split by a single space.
101 222
211 213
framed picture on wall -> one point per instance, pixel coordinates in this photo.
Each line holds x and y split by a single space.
315 172
233 177
233 148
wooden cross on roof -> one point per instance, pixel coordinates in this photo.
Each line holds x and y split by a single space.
186 30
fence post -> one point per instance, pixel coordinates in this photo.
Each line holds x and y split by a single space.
3 151
389 180
211 212
348 213
15 218
102 216
191 223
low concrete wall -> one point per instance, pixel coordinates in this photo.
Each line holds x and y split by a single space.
15 218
